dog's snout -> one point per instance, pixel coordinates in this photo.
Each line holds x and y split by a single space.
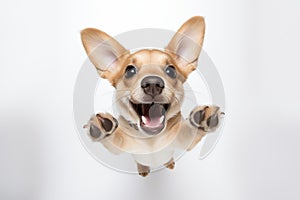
152 85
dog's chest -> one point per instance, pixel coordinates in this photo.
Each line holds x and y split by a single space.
152 151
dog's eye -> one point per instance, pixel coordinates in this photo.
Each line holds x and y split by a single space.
130 71
170 71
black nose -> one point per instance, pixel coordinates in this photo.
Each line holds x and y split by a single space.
152 85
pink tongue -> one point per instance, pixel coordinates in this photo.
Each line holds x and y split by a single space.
155 112
152 122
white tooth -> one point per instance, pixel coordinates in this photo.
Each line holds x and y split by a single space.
161 119
144 119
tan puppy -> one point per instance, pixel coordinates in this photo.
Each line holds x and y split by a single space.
149 93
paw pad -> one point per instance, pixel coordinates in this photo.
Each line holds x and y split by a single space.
213 121
95 131
199 116
206 118
101 125
106 123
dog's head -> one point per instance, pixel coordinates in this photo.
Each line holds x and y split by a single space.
149 83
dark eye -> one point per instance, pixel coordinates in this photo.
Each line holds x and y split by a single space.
130 71
170 71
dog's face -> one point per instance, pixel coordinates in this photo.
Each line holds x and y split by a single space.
149 83
150 90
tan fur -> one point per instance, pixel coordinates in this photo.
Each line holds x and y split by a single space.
182 52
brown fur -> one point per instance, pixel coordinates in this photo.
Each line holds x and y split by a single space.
143 170
111 59
170 164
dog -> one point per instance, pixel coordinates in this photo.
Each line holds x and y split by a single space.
148 94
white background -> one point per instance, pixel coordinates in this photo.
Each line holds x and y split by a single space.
255 46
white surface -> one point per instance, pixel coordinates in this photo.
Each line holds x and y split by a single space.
254 45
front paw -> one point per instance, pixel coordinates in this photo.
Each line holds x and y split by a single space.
101 126
206 118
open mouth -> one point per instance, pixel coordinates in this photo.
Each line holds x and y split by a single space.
152 116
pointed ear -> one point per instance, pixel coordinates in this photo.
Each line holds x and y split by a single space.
104 52
186 44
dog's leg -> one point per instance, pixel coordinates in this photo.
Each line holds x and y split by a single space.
202 120
170 164
143 170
